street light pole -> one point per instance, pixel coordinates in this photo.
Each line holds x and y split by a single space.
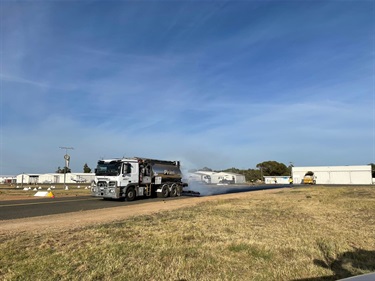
67 159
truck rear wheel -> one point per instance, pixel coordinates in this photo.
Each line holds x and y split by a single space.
130 194
173 192
176 190
164 191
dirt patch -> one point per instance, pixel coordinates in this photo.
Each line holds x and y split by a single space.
94 217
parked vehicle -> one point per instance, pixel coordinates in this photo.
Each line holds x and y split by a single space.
309 178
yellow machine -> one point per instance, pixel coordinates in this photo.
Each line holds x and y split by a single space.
309 178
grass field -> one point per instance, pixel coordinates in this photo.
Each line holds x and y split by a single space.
314 233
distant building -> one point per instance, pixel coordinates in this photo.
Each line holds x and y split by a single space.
54 178
230 178
217 177
276 179
200 176
7 179
334 174
27 178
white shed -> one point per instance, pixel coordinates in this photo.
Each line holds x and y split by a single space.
225 177
200 176
217 177
27 178
51 178
7 179
81 177
276 179
360 174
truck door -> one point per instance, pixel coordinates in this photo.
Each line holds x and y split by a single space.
130 173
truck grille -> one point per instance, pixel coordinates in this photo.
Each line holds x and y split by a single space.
102 184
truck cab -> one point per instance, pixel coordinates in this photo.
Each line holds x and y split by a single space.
113 176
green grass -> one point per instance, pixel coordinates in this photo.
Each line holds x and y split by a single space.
318 233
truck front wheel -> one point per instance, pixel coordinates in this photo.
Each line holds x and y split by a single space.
130 194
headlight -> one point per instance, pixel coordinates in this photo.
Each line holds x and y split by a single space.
112 184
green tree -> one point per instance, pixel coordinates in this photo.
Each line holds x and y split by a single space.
251 175
206 169
86 168
233 170
63 170
273 168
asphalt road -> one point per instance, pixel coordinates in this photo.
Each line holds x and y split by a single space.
16 209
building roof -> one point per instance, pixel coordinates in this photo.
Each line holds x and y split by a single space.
333 168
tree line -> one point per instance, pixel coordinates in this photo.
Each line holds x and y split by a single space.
266 168
66 170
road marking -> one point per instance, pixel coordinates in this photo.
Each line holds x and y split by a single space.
50 202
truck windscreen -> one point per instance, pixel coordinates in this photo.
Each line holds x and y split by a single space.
108 169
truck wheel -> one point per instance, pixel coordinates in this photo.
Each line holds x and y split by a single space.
164 191
130 194
173 192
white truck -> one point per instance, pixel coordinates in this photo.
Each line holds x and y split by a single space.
137 177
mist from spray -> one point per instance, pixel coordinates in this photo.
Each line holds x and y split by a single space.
200 187
204 189
209 190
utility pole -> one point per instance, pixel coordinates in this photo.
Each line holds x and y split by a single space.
67 160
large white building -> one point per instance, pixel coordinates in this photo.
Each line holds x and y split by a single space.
335 174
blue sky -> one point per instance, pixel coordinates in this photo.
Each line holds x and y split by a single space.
211 83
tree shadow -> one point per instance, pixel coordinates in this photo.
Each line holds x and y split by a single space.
348 264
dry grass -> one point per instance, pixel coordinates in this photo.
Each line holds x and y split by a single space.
319 233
